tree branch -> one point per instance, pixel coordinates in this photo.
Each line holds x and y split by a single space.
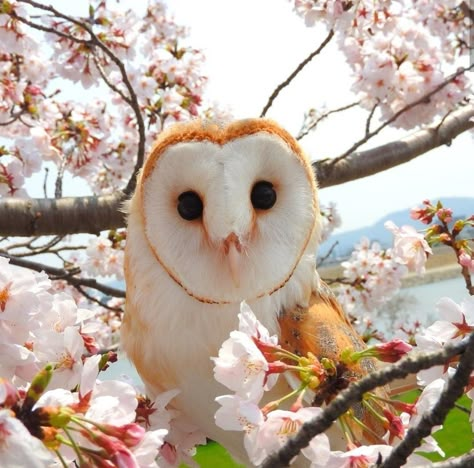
453 390
368 162
66 275
132 100
458 462
408 365
292 76
36 217
47 216
425 99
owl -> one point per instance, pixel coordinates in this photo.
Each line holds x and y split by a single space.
222 214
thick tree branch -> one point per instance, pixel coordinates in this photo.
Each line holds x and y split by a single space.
36 217
41 217
408 365
369 162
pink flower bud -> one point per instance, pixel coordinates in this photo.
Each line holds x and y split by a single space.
277 367
130 434
445 215
391 351
394 425
466 260
403 407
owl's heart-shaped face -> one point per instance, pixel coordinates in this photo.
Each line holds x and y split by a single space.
228 212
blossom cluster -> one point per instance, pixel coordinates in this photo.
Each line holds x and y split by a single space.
331 219
251 361
54 407
396 62
97 141
446 230
371 276
104 255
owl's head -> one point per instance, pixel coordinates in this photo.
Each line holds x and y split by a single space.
228 212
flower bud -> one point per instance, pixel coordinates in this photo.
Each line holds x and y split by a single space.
38 386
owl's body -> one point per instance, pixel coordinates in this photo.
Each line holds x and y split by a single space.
222 215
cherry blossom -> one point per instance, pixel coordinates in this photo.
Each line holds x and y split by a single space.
410 247
281 425
362 456
457 321
467 260
331 220
18 447
241 365
394 61
376 275
425 402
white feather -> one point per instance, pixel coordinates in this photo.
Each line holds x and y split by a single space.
169 330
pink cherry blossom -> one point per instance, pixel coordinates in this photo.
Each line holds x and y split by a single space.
466 260
410 247
331 220
237 414
281 425
241 366
376 274
18 447
362 456
63 350
424 404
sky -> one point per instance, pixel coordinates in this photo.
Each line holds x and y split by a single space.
252 46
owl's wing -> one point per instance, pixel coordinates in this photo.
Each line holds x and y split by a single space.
324 330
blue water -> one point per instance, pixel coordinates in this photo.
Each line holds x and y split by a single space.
427 295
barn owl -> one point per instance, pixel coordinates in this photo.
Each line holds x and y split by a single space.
223 214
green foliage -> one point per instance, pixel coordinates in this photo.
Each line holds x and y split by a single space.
214 455
456 436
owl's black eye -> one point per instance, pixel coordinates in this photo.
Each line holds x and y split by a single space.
189 206
263 195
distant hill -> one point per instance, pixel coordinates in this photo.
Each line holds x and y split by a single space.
461 206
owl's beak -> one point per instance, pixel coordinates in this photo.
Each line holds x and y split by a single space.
233 251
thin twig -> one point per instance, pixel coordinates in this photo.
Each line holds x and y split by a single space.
48 251
354 393
45 182
314 124
462 408
109 83
323 259
95 300
295 73
369 118
68 276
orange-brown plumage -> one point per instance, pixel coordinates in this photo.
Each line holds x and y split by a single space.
323 329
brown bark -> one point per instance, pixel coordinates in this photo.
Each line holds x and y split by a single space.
36 217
